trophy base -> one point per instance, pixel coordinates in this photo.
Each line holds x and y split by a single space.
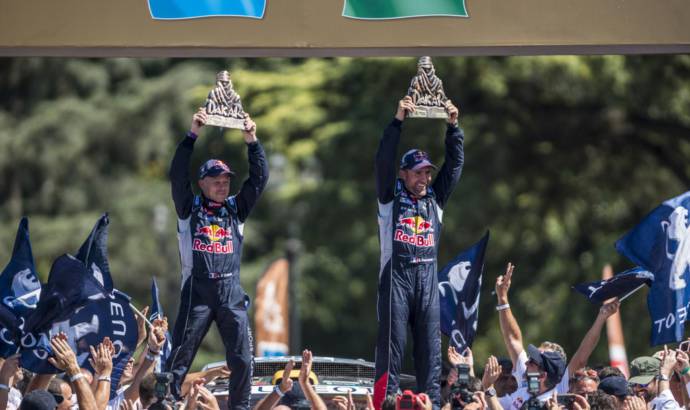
225 122
428 112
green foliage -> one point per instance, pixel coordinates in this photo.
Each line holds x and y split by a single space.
563 155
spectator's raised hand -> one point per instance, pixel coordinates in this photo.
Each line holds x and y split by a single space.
343 403
503 284
286 383
423 401
492 371
370 402
305 370
9 369
609 308
206 400
157 335
580 403
101 359
682 361
668 362
63 355
127 405
193 395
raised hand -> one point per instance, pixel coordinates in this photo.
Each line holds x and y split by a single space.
610 308
405 106
249 131
286 383
305 370
453 113
198 120
101 359
492 371
503 284
63 355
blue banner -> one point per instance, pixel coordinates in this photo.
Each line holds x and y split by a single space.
459 284
157 313
110 317
661 245
617 286
20 290
187 9
94 253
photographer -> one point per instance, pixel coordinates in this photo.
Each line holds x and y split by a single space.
544 371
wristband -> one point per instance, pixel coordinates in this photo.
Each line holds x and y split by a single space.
151 357
662 377
503 307
4 387
104 379
277 391
685 371
76 377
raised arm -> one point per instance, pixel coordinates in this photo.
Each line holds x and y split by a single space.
254 185
385 166
7 372
65 359
155 343
512 336
449 174
271 399
102 362
179 167
589 342
309 392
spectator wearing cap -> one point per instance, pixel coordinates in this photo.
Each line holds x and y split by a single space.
550 367
650 377
617 387
512 335
210 230
411 203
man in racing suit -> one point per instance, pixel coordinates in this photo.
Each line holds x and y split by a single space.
210 228
410 209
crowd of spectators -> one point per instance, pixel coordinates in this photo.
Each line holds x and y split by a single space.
538 377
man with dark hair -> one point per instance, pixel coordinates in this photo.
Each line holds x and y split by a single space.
410 211
210 231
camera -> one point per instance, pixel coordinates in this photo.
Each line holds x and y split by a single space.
533 402
164 400
407 400
460 391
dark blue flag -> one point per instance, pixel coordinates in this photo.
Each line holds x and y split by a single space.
661 245
94 253
184 9
70 286
459 284
20 290
617 286
87 326
157 313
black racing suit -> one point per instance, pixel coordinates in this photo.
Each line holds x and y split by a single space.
210 240
409 231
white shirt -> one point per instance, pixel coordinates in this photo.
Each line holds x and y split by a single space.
516 400
665 401
521 367
14 399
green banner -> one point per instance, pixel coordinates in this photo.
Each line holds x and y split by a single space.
393 9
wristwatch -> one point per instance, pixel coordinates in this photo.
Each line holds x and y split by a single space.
490 392
662 377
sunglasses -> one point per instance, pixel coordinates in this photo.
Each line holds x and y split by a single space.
58 398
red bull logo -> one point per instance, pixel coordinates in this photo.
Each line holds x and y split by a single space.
415 224
412 229
215 234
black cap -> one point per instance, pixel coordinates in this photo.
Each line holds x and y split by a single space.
295 399
615 386
551 362
38 400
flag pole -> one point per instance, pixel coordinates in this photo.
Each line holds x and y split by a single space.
631 292
141 315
